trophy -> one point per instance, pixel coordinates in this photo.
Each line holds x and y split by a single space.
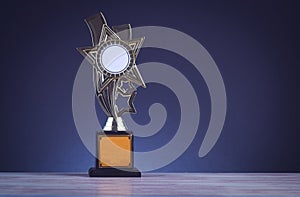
115 74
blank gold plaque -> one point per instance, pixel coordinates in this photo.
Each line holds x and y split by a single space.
115 151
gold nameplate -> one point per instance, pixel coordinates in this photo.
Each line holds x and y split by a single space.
115 151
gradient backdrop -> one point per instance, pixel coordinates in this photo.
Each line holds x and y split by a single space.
254 43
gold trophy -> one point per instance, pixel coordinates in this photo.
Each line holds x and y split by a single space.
115 74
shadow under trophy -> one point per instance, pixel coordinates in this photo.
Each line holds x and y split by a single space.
115 74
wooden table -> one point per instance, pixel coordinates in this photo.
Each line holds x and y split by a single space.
219 184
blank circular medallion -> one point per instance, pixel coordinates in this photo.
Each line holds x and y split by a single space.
115 57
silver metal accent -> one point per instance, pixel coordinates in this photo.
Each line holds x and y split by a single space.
109 85
113 124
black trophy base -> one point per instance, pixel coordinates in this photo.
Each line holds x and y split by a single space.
114 172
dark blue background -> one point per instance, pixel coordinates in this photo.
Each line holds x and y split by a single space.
254 43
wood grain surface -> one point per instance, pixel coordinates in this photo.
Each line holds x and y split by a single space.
183 184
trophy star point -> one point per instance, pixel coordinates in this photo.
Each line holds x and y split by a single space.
89 53
125 90
135 76
107 34
129 101
136 44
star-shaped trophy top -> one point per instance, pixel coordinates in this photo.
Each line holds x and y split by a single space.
113 57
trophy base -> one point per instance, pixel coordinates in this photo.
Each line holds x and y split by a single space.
114 172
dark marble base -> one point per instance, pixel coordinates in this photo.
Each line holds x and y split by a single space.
114 172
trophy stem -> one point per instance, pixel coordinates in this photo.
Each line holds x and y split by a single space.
115 124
